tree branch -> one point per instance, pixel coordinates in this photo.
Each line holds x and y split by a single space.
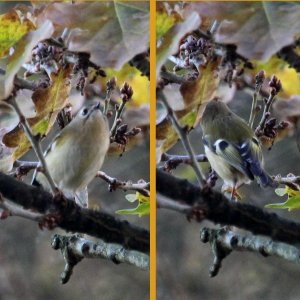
71 217
214 206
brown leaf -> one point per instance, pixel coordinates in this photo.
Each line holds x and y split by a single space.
170 41
13 26
48 103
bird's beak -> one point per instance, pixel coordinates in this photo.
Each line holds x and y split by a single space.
97 106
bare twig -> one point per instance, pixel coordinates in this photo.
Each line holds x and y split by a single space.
182 133
75 248
21 83
214 27
15 211
223 242
172 161
141 186
110 86
275 87
166 203
23 167
266 114
126 94
259 79
172 77
35 145
291 180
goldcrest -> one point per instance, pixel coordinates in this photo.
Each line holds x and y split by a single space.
231 147
77 152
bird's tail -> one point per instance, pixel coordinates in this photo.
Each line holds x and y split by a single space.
255 166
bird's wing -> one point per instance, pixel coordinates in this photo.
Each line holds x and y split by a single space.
50 147
232 156
251 154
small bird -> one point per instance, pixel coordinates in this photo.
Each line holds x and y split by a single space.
77 153
231 147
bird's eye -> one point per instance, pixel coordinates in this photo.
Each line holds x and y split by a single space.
85 111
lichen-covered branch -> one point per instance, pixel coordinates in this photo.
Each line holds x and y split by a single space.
75 248
70 217
223 242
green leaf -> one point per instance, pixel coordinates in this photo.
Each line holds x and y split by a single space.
163 23
291 204
142 209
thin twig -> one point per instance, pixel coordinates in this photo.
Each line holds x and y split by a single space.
22 83
35 145
23 167
274 87
110 86
214 27
172 77
167 203
172 161
15 211
141 187
259 80
118 115
185 141
266 114
291 181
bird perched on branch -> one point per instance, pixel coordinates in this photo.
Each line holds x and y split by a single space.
77 153
231 147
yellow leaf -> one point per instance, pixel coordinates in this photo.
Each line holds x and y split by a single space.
141 198
12 29
163 23
139 83
289 78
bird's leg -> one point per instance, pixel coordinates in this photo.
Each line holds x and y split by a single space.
234 195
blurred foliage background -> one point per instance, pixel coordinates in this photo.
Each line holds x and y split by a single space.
259 33
183 261
30 268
